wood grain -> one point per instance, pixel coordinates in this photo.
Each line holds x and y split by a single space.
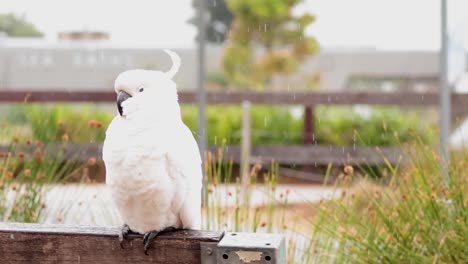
34 243
318 154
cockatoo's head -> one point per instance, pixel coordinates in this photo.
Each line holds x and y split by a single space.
151 94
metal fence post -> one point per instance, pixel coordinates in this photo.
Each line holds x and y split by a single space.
245 144
201 95
445 93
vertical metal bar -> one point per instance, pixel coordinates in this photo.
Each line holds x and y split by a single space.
201 85
445 93
245 145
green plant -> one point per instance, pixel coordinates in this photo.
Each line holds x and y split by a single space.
411 215
28 167
80 124
415 215
268 125
26 171
333 125
230 206
217 77
383 127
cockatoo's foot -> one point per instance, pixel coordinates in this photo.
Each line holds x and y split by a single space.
124 231
149 237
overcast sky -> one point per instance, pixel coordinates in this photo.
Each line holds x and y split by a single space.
383 24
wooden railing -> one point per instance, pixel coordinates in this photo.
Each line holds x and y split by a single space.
283 154
36 243
265 98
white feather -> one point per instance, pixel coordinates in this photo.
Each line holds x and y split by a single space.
153 165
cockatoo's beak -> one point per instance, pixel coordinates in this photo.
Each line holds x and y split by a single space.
121 97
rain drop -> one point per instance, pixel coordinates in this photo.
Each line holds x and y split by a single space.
101 57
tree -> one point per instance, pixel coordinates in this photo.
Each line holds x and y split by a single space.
266 40
219 20
18 26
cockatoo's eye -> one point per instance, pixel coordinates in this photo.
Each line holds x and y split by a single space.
141 89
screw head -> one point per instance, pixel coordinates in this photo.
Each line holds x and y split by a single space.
209 251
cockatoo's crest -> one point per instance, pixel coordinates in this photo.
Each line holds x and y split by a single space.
175 63
154 91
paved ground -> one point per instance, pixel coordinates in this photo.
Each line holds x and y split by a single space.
91 203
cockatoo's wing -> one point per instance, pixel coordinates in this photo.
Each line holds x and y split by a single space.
185 167
113 150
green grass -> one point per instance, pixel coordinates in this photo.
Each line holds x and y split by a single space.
411 216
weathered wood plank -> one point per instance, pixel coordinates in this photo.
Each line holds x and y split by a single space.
318 154
309 125
236 97
34 243
283 154
57 96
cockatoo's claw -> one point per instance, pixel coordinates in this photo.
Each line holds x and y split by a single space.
149 237
124 231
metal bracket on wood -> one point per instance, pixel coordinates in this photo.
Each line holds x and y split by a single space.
240 248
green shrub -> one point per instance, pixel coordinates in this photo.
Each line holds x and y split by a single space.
333 125
384 127
269 125
52 123
218 78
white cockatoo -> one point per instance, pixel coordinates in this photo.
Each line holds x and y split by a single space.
153 164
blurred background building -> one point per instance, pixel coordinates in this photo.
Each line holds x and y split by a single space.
89 60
